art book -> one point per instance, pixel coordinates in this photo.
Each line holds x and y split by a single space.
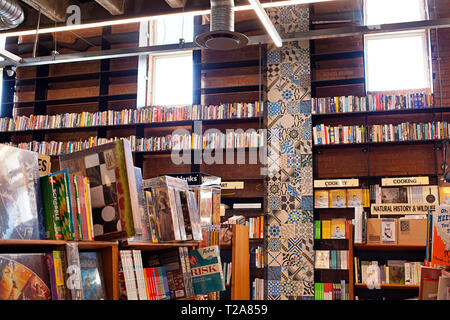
440 252
24 276
206 270
113 190
92 276
338 198
21 211
355 198
321 199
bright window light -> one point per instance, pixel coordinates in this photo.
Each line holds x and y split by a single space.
170 30
393 11
172 81
396 61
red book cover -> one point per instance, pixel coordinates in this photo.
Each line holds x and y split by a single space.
157 284
150 284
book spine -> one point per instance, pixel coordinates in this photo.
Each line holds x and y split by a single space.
73 271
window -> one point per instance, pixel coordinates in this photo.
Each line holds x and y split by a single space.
166 78
398 60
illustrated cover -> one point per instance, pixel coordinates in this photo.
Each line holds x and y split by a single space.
226 234
73 272
206 270
177 212
55 264
92 276
388 230
53 221
444 196
396 271
321 199
61 179
76 207
394 195
113 193
24 276
338 228
166 220
430 195
151 211
145 221
355 198
440 251
22 213
322 259
338 198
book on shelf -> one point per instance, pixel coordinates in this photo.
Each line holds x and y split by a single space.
321 199
255 227
360 235
206 268
331 291
22 215
227 269
257 257
348 198
338 228
56 264
226 234
113 194
443 288
258 289
236 219
429 283
331 259
335 228
73 277
92 279
247 205
24 277
338 198
441 236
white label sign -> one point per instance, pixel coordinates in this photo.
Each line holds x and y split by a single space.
400 208
232 185
405 181
336 183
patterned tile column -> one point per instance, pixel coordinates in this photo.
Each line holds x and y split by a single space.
290 185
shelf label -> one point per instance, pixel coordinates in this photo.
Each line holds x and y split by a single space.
400 208
44 164
336 183
228 185
405 181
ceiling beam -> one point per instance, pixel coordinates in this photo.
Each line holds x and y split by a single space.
53 9
176 3
115 7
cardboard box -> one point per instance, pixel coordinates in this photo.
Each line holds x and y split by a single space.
375 233
412 231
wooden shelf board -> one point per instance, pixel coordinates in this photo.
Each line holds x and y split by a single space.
83 245
151 246
379 112
389 286
388 247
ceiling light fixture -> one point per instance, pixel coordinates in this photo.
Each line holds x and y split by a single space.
150 18
268 25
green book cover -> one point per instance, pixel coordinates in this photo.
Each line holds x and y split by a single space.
74 183
317 233
52 219
64 204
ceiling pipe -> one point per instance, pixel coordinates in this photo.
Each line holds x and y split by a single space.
11 14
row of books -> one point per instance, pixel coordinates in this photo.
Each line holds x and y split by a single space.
170 274
373 102
394 272
227 268
325 135
67 206
341 198
431 194
255 227
133 116
258 289
332 259
164 143
61 274
331 291
335 228
257 257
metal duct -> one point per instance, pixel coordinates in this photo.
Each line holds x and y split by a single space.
11 14
222 35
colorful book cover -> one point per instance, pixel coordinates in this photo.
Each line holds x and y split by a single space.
92 276
206 270
355 198
144 217
396 271
53 224
24 276
326 229
61 179
317 232
226 234
321 199
388 231
22 213
73 272
56 269
338 198
444 196
338 228
113 194
394 195
440 251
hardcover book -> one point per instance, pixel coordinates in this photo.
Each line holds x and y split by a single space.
22 214
338 198
92 276
206 270
321 199
113 192
394 195
24 276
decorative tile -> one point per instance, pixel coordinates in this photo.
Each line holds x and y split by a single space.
273 273
274 244
273 57
274 231
274 259
307 203
274 287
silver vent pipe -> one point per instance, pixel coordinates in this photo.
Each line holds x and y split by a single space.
222 15
11 14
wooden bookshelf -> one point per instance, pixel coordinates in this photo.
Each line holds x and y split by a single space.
387 286
240 273
388 247
150 246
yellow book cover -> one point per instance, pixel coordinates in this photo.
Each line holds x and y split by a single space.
326 229
338 198
366 198
355 198
321 199
444 195
338 228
